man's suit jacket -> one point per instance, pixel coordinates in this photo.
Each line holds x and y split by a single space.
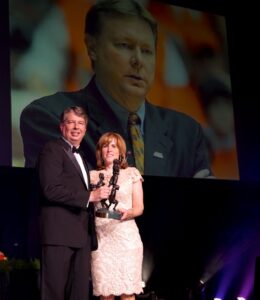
65 219
174 142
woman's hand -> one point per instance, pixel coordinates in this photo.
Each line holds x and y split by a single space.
127 214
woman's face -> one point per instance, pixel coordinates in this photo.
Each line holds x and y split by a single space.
109 152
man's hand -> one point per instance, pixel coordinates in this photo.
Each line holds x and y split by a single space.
100 193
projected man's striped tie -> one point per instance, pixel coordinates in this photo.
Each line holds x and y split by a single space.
137 141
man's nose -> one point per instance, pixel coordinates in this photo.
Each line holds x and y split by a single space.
136 58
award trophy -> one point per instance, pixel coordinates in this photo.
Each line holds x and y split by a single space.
108 209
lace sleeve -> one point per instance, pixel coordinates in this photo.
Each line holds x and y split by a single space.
135 174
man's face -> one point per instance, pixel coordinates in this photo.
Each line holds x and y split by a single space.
124 58
73 128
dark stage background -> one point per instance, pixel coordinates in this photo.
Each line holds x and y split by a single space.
192 229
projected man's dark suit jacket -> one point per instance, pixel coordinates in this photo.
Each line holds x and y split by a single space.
174 142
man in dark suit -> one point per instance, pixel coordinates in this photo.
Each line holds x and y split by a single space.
121 40
67 221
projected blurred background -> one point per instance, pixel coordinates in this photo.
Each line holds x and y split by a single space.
192 75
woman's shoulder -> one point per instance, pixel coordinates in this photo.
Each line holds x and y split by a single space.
133 173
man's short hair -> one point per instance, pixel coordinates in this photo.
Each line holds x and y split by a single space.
94 20
78 111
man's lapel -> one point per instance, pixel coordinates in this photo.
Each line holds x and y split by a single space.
157 145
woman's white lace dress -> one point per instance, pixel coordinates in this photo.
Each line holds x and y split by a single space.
117 263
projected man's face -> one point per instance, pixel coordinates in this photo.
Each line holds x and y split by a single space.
124 58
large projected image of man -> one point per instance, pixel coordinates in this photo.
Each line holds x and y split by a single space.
121 38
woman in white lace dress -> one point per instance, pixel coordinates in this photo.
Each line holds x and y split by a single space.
117 263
